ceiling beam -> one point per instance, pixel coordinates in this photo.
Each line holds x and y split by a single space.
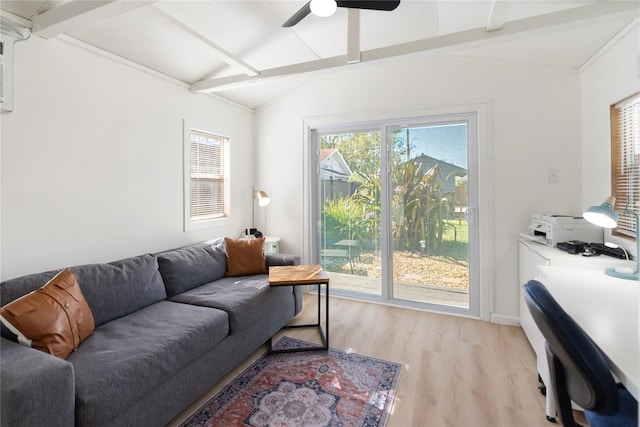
14 19
232 82
527 27
353 36
218 51
498 15
58 20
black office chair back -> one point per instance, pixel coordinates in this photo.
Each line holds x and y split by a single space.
581 371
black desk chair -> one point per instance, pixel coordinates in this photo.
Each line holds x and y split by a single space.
579 371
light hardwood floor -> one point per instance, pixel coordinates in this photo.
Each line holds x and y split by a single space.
456 371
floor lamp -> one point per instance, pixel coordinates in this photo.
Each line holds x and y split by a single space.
605 216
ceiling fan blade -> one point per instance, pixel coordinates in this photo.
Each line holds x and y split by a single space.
387 5
298 16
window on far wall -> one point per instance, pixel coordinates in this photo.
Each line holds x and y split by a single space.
625 162
205 178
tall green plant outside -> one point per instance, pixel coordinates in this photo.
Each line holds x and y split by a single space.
418 197
420 207
345 218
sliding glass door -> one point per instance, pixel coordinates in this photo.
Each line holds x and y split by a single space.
429 227
393 211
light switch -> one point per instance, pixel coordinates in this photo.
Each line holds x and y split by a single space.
553 176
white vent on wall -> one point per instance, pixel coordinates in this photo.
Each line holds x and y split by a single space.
10 33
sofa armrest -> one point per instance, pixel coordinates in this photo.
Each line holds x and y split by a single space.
37 388
282 259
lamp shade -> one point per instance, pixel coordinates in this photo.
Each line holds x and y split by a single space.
263 198
323 8
603 215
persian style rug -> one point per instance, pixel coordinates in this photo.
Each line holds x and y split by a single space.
307 389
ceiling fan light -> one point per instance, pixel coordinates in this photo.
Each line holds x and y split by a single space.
323 8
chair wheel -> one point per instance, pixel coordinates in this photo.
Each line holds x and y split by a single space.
551 419
543 389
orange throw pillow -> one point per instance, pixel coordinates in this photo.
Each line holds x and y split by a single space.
245 257
55 318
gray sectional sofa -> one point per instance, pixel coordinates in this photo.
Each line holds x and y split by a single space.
168 327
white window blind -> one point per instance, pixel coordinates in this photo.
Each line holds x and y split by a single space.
207 175
626 162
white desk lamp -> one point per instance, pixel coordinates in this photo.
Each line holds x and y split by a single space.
263 200
605 216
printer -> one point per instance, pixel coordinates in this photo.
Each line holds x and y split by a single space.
551 229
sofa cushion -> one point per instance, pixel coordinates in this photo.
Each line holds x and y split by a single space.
112 290
130 357
118 288
245 257
54 319
185 268
245 299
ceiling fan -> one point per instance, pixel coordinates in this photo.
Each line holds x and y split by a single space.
328 7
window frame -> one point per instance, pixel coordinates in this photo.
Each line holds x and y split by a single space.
191 222
625 158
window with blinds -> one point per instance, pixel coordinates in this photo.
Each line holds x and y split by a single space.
625 162
206 176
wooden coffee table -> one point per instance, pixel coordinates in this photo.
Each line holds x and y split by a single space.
297 275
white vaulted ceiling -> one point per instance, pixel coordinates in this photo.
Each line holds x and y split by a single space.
239 50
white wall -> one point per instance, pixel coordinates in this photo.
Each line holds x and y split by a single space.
615 75
75 188
92 160
534 122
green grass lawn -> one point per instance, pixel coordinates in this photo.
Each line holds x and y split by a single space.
455 241
456 231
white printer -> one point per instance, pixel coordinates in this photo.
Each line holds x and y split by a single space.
551 229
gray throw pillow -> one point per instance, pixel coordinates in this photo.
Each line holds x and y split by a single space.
186 268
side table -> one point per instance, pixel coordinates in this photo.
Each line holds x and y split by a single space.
297 275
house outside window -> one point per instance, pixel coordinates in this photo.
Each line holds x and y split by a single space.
205 178
625 162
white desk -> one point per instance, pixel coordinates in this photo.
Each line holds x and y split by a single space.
607 309
575 278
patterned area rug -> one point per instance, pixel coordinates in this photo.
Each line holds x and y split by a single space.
307 389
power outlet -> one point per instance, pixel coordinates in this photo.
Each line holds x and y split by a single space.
553 176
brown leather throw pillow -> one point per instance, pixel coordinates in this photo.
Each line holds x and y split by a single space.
245 257
55 318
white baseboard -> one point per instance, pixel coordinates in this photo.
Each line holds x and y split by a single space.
505 320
